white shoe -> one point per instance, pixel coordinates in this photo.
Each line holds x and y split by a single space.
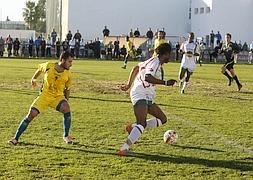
68 139
13 141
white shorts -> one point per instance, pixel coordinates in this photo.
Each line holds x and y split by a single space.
190 65
138 96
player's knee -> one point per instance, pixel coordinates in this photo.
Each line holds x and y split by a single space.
64 107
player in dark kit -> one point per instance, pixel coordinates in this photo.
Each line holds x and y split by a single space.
229 49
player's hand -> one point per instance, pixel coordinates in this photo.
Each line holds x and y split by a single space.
33 83
170 82
124 87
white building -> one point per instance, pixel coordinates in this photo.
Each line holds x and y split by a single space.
177 17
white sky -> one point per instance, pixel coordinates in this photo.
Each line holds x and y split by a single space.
13 9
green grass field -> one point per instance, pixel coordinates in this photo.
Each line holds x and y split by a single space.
214 123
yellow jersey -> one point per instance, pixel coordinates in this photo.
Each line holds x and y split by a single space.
54 82
130 50
158 42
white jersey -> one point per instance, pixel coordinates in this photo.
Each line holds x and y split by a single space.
141 88
188 60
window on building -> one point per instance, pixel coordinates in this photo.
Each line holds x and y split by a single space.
208 9
196 10
201 10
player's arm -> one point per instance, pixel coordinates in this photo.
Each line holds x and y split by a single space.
131 78
34 78
151 79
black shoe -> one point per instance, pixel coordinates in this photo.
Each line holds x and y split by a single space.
239 87
123 67
230 81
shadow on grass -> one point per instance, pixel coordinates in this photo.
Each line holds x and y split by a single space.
229 164
127 101
197 148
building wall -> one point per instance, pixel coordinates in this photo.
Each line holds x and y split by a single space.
90 16
225 16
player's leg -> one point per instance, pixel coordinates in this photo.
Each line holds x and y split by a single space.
63 107
186 82
232 71
182 77
158 119
24 124
140 111
125 61
225 73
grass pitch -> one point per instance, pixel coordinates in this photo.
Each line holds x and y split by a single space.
214 123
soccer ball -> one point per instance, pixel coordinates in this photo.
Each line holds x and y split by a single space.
170 137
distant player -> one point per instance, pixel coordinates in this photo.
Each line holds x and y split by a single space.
130 51
190 50
159 40
145 76
229 49
54 94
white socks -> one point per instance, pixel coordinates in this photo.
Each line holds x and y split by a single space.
185 84
153 123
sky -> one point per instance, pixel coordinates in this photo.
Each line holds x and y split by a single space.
13 9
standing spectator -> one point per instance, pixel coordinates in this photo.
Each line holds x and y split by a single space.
123 51
72 44
245 47
48 46
116 50
9 42
65 45
218 37
1 46
230 49
69 36
82 43
137 33
37 46
109 50
97 48
250 53
77 48
78 36
43 47
53 36
150 34
177 51
30 47
131 34
16 46
106 32
212 35
58 47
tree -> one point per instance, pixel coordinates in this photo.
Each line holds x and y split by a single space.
35 15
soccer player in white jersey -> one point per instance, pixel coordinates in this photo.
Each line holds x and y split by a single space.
145 76
190 50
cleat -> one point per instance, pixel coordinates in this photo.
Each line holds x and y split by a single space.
13 141
239 87
128 128
68 140
123 67
182 91
124 152
230 82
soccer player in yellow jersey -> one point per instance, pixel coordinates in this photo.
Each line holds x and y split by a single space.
160 40
130 51
54 94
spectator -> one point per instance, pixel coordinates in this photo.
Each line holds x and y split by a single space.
218 37
245 47
131 34
65 45
137 33
53 36
106 32
37 46
212 35
58 47
16 46
250 53
49 44
177 51
150 34
30 47
69 36
116 51
1 46
78 36
77 48
123 51
82 43
43 47
9 43
72 44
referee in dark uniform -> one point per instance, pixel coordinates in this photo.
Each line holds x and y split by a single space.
229 49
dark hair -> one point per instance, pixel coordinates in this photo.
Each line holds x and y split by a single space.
228 34
65 55
163 49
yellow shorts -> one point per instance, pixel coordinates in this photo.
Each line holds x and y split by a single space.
43 101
